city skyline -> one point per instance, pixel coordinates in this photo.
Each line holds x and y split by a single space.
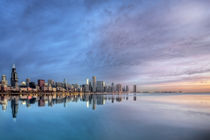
52 86
94 84
158 45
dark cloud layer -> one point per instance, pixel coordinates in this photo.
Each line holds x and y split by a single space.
121 41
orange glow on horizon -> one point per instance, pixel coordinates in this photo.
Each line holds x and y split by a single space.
197 86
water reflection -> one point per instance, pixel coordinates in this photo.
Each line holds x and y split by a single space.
14 106
53 99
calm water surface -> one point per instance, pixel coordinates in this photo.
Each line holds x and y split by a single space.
106 117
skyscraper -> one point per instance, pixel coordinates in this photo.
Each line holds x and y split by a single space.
119 88
28 82
51 83
100 86
94 84
65 83
113 87
134 89
127 88
90 86
87 86
87 81
14 77
41 84
4 80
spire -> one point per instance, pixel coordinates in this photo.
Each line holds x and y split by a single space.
65 81
13 66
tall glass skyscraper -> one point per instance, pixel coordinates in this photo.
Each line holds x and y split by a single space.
94 84
14 77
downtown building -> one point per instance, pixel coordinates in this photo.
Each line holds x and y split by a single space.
134 88
100 86
14 77
94 84
4 83
119 88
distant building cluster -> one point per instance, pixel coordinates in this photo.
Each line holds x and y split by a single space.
95 86
90 86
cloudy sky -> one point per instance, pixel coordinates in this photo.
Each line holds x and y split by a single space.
158 44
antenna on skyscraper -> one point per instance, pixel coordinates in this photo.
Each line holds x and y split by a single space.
13 66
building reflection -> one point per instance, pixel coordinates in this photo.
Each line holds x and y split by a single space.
91 100
4 103
134 97
14 106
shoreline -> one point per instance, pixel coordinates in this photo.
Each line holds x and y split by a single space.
97 93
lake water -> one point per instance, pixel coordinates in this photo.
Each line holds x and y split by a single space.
106 117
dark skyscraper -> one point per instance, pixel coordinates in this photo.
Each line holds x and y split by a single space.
41 83
14 77
127 88
134 88
28 82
